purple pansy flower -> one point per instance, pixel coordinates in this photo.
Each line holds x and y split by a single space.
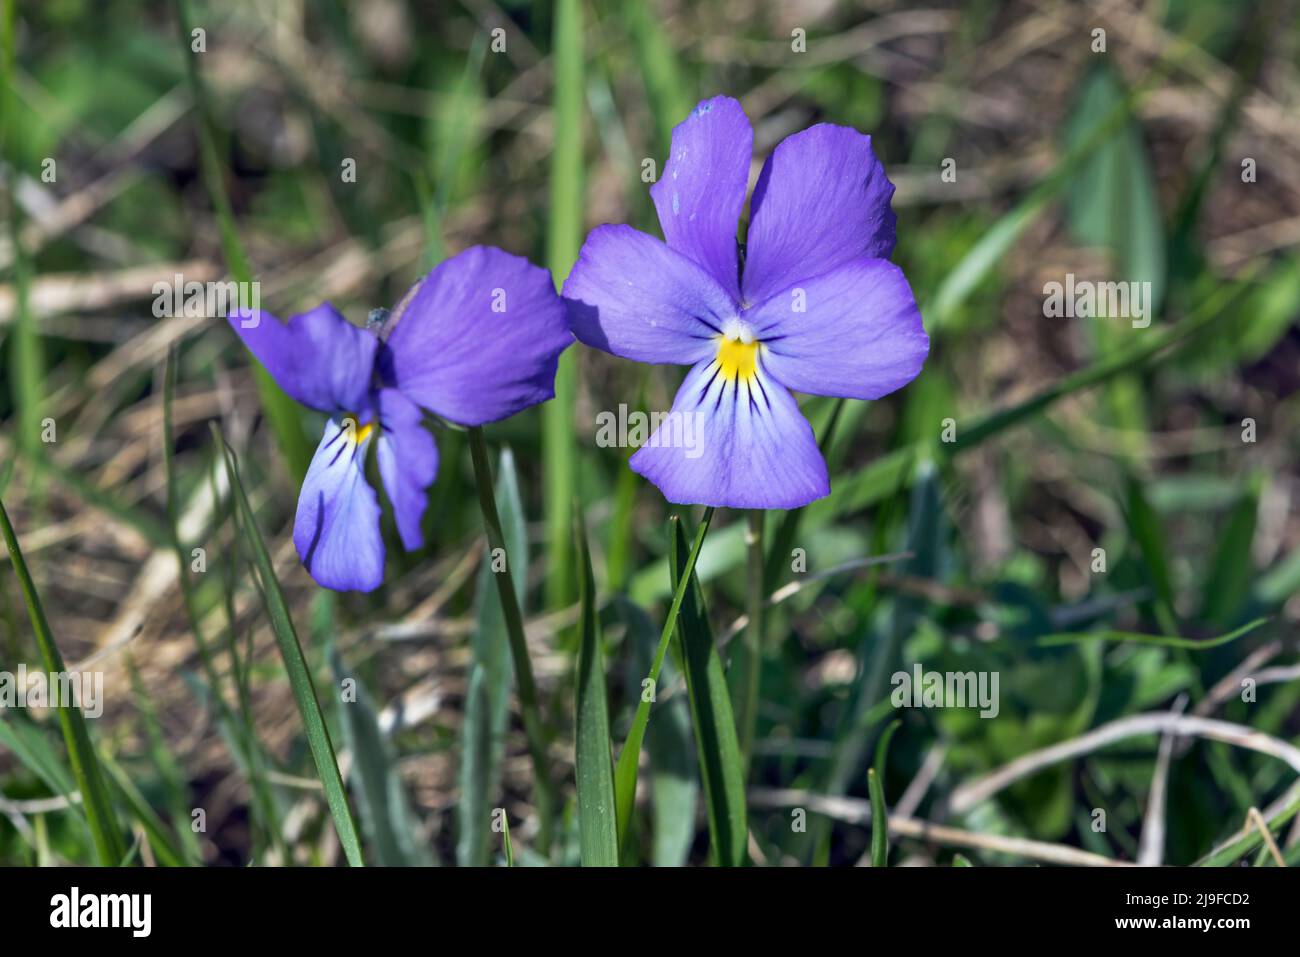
475 340
815 306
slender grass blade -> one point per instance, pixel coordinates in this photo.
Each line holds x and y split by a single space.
597 817
86 770
717 746
295 664
486 698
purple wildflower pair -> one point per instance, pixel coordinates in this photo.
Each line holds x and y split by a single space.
811 305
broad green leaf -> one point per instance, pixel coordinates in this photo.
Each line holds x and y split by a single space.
1111 205
1111 199
878 651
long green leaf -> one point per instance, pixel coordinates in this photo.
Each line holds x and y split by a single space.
295 664
28 743
1110 198
525 686
716 744
86 770
674 784
625 773
879 821
389 823
594 766
487 694
876 789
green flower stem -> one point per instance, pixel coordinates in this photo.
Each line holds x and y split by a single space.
563 240
525 685
747 713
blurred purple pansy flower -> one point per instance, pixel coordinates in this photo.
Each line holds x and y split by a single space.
812 305
475 340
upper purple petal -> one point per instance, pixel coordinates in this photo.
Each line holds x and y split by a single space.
318 358
408 462
632 295
480 338
735 443
854 332
702 191
336 529
821 201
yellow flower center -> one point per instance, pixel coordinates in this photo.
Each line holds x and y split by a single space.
737 359
359 432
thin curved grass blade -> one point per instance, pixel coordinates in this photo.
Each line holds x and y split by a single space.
86 770
295 664
1168 641
716 743
597 817
625 773
487 695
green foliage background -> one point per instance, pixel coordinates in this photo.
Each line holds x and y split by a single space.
1022 152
